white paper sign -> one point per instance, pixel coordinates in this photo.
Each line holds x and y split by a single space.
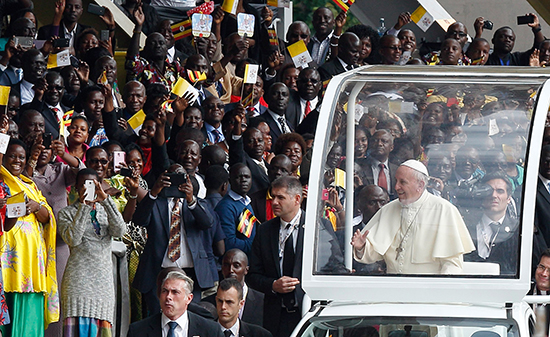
493 127
245 24
4 140
201 25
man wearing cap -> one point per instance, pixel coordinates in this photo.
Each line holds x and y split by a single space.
417 234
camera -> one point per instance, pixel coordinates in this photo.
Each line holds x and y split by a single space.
488 25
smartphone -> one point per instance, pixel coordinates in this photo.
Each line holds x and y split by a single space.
90 190
23 41
176 179
61 43
525 19
96 9
75 62
104 35
118 157
125 172
47 140
324 196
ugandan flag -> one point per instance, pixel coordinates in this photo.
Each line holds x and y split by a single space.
247 101
247 220
344 4
181 29
196 76
273 39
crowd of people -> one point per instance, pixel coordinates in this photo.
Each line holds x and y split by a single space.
206 191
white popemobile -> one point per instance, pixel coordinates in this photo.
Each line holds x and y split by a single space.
487 299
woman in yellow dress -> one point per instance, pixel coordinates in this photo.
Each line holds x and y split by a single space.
28 253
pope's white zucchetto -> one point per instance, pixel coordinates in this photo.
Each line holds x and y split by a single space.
417 166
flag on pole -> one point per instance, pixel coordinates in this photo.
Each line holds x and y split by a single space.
300 55
182 86
196 76
422 18
251 73
60 59
344 4
4 94
273 39
136 121
230 6
248 100
182 29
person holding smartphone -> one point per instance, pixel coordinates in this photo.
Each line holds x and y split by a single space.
88 227
503 44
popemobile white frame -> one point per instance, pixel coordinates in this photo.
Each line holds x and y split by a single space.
455 296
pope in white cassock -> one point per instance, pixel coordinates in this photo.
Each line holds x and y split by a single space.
417 234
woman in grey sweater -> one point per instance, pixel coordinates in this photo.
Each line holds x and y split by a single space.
87 290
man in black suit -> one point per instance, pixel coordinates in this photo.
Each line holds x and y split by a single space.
349 48
47 100
155 214
496 234
277 99
175 296
379 171
235 266
229 303
69 27
276 260
306 99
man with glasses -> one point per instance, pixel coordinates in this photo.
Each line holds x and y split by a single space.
390 49
458 32
214 110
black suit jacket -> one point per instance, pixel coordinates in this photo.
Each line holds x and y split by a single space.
541 234
52 126
330 69
153 214
265 268
274 130
253 307
260 180
535 291
198 326
257 201
45 32
368 179
505 247
252 330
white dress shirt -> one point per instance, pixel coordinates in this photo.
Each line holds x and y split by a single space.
303 105
182 328
276 118
283 234
376 171
27 94
186 259
234 329
485 236
71 35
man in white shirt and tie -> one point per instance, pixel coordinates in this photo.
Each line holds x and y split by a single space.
229 301
175 320
277 98
34 67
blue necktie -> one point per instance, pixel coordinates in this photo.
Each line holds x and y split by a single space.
172 331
